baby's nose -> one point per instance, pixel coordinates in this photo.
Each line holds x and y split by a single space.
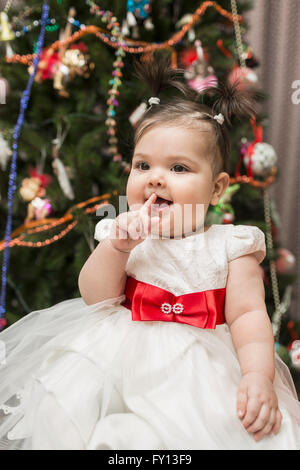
156 179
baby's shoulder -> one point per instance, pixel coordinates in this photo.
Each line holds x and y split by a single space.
241 240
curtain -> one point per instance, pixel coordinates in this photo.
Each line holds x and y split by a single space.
274 34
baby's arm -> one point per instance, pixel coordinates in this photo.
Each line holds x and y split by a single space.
103 275
252 336
247 317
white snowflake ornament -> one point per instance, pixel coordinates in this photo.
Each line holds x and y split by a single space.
263 159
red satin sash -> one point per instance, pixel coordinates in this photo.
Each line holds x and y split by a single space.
151 303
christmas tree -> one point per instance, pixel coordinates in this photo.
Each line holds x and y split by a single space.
74 142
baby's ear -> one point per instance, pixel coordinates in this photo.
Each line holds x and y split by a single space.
221 184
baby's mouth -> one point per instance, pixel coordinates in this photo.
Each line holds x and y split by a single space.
160 201
162 205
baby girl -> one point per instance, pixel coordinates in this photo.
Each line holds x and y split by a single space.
170 345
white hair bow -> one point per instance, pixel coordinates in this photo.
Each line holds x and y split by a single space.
219 117
153 100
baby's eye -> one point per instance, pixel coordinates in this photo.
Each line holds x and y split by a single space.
137 165
180 166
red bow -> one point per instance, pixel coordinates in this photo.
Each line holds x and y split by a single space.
151 303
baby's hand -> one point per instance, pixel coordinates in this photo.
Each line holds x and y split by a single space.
257 405
131 228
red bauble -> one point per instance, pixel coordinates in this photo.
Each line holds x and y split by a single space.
286 261
228 218
245 77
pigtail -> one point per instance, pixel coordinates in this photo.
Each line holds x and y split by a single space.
159 75
231 101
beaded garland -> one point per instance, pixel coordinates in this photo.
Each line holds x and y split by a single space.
44 225
13 170
114 27
51 26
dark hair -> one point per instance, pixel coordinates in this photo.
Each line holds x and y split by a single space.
186 111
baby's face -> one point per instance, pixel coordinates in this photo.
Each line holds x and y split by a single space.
170 161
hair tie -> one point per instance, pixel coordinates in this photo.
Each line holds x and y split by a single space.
219 117
153 100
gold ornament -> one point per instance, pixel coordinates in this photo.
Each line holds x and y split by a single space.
74 62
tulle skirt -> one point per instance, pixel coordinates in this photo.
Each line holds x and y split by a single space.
87 377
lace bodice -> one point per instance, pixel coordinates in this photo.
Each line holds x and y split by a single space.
195 263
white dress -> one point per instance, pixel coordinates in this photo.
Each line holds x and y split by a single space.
88 377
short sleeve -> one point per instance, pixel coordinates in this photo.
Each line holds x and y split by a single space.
245 239
103 228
